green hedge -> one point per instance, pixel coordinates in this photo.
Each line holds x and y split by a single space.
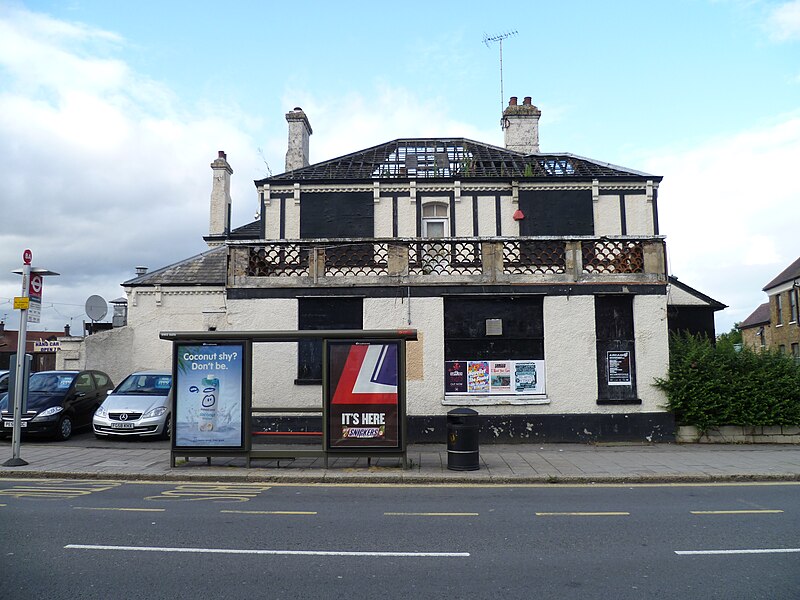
710 386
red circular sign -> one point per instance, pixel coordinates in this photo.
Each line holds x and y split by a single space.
36 285
27 256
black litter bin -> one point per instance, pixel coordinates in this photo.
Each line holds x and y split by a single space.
462 440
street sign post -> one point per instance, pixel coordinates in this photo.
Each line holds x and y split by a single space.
20 391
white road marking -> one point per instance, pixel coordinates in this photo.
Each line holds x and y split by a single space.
750 551
271 552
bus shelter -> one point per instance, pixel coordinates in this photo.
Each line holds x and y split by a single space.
363 400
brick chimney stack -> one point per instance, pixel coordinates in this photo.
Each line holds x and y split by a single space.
299 132
521 126
220 219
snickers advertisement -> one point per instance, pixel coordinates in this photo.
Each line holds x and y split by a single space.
363 406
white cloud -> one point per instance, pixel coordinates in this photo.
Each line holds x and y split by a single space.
104 169
783 21
730 210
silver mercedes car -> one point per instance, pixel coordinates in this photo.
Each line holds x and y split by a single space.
140 405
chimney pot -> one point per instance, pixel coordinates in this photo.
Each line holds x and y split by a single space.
221 154
513 101
526 101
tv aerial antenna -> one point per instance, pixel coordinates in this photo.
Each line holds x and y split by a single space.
499 38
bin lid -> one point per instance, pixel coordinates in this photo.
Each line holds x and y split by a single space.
462 411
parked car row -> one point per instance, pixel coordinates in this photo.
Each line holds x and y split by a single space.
60 402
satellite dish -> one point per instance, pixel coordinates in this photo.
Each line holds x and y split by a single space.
96 307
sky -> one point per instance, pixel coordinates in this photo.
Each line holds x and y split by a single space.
111 112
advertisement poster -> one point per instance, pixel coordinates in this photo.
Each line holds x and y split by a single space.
619 367
529 377
455 377
500 382
208 396
477 376
363 409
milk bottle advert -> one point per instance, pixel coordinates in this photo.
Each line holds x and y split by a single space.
209 396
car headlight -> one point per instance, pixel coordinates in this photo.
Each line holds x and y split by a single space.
155 412
101 411
49 412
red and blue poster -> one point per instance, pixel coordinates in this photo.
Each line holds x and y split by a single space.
363 401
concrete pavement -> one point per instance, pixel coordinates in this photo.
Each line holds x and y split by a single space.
512 463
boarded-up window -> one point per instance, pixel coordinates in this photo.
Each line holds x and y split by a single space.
616 351
556 212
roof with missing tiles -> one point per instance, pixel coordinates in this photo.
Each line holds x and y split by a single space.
449 158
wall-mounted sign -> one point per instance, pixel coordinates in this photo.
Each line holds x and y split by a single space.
618 363
505 377
208 395
363 404
46 345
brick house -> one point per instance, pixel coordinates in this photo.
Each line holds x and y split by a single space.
775 324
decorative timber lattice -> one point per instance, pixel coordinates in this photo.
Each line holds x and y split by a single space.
613 256
445 257
534 257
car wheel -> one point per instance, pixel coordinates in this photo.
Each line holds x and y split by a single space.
166 432
64 431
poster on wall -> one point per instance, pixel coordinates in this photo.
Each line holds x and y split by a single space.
455 377
507 377
500 380
618 367
477 376
529 377
208 396
363 404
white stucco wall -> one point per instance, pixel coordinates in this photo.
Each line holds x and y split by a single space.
274 363
486 216
638 215
423 396
607 220
272 219
383 218
652 349
507 223
406 217
570 355
569 341
464 217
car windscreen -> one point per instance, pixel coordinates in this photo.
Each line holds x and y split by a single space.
146 385
50 382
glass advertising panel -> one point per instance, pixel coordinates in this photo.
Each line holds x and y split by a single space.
208 398
363 406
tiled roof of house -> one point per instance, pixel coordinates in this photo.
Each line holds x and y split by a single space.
790 273
208 268
448 158
760 316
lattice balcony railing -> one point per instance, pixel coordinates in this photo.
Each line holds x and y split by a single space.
447 256
613 256
534 257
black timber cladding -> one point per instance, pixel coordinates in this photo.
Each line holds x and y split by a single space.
556 212
337 215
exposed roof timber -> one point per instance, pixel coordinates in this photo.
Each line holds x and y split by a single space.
450 158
